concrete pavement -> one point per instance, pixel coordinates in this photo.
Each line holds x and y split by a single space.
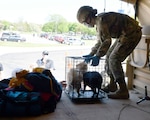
106 109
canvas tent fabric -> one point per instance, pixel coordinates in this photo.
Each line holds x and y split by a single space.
143 10
130 1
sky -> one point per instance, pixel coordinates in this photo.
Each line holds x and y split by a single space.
38 11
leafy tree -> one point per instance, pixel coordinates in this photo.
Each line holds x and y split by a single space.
48 27
73 27
56 24
5 25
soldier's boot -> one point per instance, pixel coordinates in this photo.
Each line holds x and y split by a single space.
122 93
111 87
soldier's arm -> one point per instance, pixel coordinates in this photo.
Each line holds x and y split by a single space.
95 48
105 39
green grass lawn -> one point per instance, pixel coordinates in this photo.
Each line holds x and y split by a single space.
27 44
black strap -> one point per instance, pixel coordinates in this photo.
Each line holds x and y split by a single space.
136 9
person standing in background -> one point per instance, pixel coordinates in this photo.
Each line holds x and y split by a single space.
45 62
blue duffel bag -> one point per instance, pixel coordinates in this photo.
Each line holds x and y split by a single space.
20 103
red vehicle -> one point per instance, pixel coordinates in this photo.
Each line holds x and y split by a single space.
59 39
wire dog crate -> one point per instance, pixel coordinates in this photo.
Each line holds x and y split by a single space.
71 63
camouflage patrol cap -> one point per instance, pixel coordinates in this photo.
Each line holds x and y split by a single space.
83 13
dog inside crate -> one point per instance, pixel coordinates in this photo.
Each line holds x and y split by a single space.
75 69
74 74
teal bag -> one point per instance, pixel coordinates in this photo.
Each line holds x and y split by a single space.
20 103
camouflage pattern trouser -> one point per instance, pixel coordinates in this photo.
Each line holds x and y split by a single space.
118 53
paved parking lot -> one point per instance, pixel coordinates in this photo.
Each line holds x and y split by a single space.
14 57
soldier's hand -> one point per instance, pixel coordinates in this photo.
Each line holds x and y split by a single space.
87 58
95 60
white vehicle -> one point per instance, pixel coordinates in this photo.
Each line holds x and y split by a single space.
74 41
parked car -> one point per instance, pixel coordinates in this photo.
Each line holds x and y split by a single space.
5 35
59 39
16 38
44 35
88 37
51 38
10 36
74 41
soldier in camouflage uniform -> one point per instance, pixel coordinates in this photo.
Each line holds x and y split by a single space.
127 33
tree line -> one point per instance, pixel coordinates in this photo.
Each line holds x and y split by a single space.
55 24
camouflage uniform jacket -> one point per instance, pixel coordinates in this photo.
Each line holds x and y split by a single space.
112 25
